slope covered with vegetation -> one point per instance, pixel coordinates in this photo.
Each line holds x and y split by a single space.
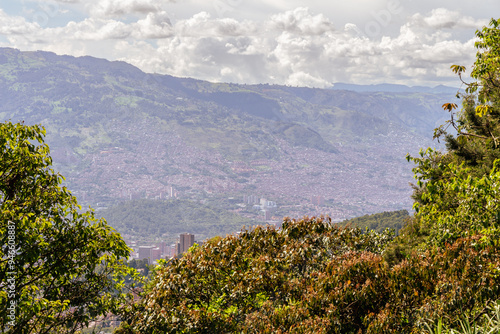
168 219
378 222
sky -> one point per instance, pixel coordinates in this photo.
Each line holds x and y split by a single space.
311 43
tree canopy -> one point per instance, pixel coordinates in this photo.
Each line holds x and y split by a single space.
313 277
62 265
265 280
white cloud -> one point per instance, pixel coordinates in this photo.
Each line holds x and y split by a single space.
16 25
300 21
92 30
306 79
155 25
68 1
442 18
116 8
294 47
203 25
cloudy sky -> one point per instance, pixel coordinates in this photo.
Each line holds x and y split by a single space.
292 42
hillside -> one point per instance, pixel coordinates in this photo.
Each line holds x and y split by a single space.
380 221
118 133
167 219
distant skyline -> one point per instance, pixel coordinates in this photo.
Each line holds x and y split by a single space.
291 42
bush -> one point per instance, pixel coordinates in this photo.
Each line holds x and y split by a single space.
312 277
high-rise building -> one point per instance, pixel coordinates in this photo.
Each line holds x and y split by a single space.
145 253
171 250
251 199
155 254
186 240
162 246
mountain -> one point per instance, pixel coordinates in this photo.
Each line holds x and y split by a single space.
393 88
118 133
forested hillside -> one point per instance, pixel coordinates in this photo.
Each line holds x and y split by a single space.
380 221
167 219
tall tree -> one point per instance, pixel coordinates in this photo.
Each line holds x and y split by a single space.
446 181
477 143
60 267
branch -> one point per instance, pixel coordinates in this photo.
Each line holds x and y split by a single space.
450 107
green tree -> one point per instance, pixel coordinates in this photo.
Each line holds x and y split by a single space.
314 277
477 125
60 267
471 154
264 280
379 221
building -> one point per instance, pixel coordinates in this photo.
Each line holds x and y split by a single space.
162 246
155 255
171 250
186 240
171 192
250 199
145 252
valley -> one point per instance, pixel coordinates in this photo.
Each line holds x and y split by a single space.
119 134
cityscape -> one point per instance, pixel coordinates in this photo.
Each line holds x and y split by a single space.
162 250
168 170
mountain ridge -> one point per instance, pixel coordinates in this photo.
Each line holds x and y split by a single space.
118 133
395 88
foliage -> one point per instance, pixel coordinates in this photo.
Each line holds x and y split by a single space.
229 283
478 123
485 323
63 266
380 221
455 194
312 277
395 220
459 205
142 266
